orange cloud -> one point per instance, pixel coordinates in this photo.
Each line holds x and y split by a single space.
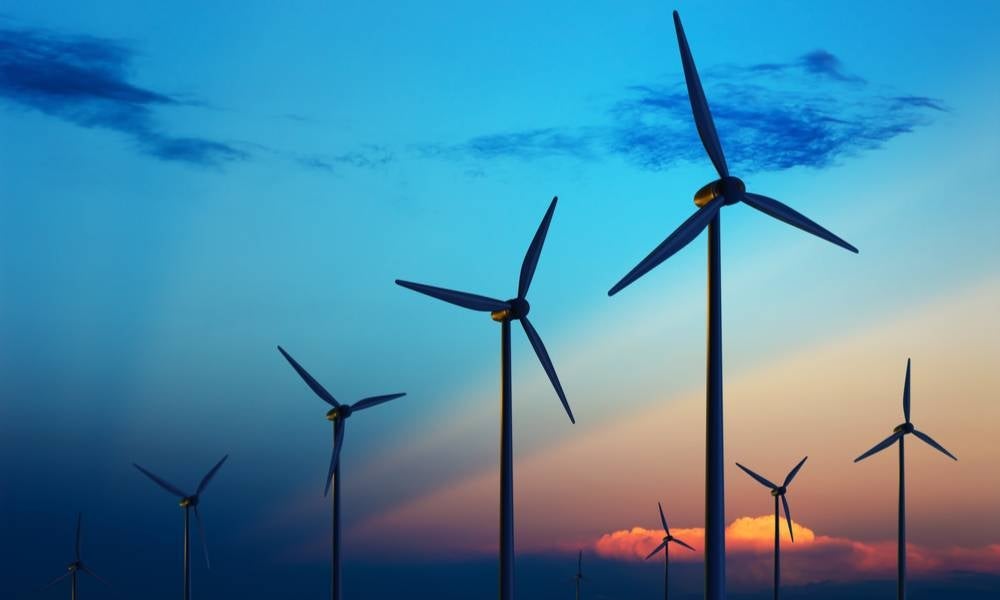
638 542
812 558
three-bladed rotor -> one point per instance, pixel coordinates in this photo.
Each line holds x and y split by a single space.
667 537
189 500
515 309
779 491
77 565
721 192
905 428
338 414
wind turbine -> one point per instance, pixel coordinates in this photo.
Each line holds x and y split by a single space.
515 309
778 491
898 434
665 546
188 502
76 566
579 573
710 199
338 415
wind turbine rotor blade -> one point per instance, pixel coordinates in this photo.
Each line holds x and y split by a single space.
933 444
208 476
663 519
880 446
463 299
312 383
79 524
201 534
699 105
764 482
87 570
162 483
534 251
338 442
786 214
543 357
57 580
906 393
658 548
374 401
681 237
788 517
682 543
794 472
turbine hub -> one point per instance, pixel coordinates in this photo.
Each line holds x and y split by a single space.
73 566
341 412
519 308
779 491
904 428
189 501
732 188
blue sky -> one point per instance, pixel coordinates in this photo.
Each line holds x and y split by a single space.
184 187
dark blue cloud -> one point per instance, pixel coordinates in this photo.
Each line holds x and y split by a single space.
818 62
531 144
85 80
808 112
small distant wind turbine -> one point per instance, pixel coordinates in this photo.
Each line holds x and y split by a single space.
664 545
76 566
188 501
505 311
579 573
338 415
710 200
778 491
898 433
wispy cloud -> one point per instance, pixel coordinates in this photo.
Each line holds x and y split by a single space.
807 112
85 80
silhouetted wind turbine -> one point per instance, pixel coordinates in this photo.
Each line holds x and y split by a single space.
188 501
579 574
76 566
338 415
504 312
898 433
778 491
665 546
710 199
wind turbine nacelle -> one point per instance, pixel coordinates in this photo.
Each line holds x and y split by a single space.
732 188
778 491
903 428
189 501
519 307
341 412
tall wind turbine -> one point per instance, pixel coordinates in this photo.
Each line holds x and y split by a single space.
579 573
665 546
778 491
188 502
505 311
338 415
710 199
898 435
77 566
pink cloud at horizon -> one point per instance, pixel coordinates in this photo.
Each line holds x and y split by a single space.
812 558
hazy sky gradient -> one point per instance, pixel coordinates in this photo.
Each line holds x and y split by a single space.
185 187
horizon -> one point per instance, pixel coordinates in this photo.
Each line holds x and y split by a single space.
188 187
